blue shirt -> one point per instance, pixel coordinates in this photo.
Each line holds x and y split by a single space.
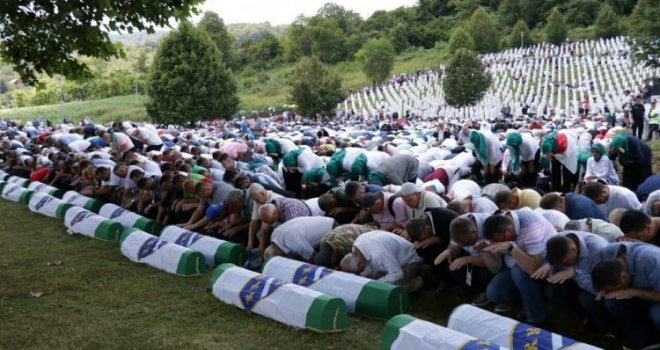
652 183
590 246
643 262
582 207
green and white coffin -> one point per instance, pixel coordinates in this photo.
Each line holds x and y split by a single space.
2 184
3 175
504 331
37 186
215 251
287 303
141 247
16 193
16 180
82 221
404 332
79 200
45 204
361 295
128 218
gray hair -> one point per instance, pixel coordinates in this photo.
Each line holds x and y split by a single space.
255 189
235 197
349 263
575 225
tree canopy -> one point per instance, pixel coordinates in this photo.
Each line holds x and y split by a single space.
47 36
556 29
466 79
377 59
483 31
212 24
460 39
314 88
188 81
644 30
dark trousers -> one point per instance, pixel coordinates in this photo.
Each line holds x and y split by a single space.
633 175
575 304
653 128
638 128
481 276
562 178
529 179
292 182
633 315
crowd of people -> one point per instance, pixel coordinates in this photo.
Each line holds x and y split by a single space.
514 213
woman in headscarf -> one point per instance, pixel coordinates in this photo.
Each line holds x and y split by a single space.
561 149
635 157
339 166
295 164
486 147
525 153
600 167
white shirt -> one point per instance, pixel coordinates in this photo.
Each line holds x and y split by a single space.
150 135
483 205
620 197
386 252
313 205
300 235
307 161
374 158
349 158
427 200
464 188
79 145
602 169
269 197
528 147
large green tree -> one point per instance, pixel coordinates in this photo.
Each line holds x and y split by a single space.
607 22
460 39
644 29
215 27
314 88
48 36
556 29
188 81
466 79
483 31
377 59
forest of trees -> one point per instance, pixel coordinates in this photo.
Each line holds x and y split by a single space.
336 34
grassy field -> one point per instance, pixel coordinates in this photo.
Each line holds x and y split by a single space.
94 298
256 89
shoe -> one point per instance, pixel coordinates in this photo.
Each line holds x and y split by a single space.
503 308
647 347
481 301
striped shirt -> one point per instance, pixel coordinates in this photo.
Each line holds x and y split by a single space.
532 233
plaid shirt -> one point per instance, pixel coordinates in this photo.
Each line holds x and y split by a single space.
290 208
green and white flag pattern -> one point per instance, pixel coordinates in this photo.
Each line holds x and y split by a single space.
16 193
16 180
404 332
361 295
215 251
84 222
287 303
128 218
141 247
504 331
37 186
79 200
3 175
45 204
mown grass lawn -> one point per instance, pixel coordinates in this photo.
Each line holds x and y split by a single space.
94 298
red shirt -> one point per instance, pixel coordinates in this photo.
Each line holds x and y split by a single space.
40 174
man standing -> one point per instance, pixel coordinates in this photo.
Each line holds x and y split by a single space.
637 113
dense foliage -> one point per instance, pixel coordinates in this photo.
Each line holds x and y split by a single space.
466 80
314 88
334 35
188 81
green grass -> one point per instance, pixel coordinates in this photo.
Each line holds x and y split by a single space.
102 111
98 299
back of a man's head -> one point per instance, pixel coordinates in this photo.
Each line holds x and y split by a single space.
557 249
550 201
593 190
633 221
503 197
415 228
496 225
606 274
255 189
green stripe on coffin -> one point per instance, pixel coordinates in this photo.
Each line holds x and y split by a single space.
47 205
2 185
42 187
16 193
78 199
283 302
391 330
3 175
142 247
361 295
20 181
128 218
215 251
82 221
